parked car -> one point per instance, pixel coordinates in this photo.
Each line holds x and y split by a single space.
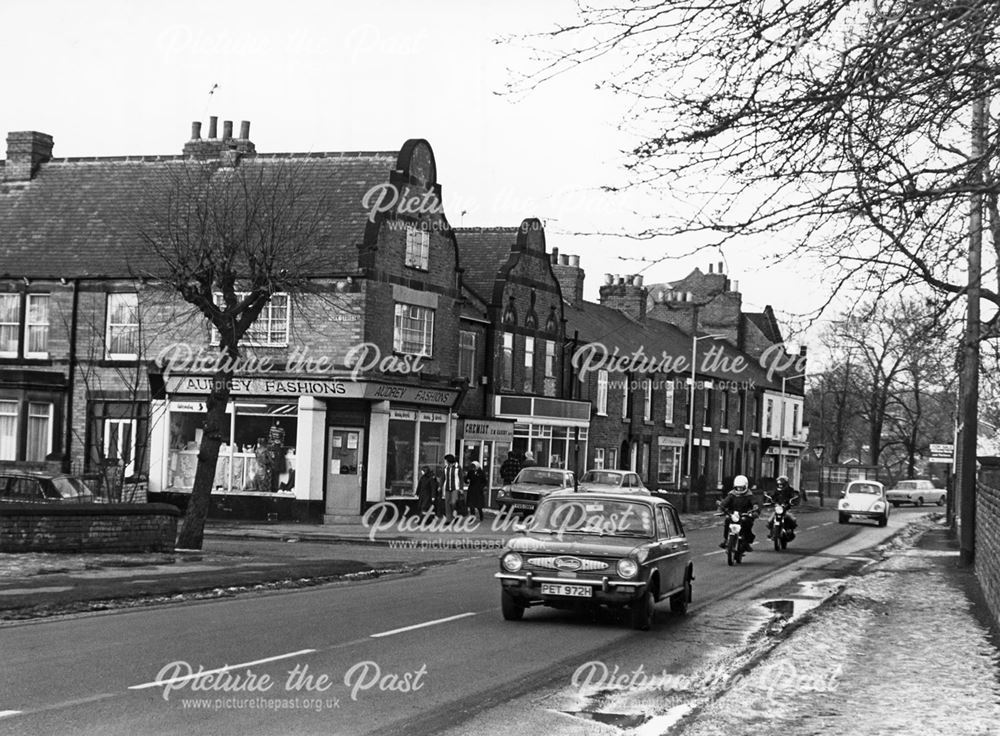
624 481
38 486
613 549
865 499
531 485
917 492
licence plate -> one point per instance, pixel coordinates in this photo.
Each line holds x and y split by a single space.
574 591
522 507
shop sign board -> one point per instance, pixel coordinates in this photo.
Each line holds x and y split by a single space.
486 430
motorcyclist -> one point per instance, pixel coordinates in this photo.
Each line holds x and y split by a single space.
739 499
786 496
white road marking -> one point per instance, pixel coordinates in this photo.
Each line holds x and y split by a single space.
7 713
420 626
203 673
814 526
717 552
827 523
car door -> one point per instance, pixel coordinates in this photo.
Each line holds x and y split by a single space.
675 548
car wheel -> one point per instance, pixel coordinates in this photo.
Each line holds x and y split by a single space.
642 612
511 609
679 601
920 501
884 520
895 504
843 519
940 501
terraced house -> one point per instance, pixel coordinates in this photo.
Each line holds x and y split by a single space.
345 391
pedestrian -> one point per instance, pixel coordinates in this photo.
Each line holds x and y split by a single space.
510 468
451 486
529 460
476 493
427 488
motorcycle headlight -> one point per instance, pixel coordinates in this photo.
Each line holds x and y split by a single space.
512 562
779 509
628 568
735 517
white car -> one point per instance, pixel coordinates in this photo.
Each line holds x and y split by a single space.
865 499
917 492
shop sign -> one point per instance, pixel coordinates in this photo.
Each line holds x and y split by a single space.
409 394
433 416
403 414
670 441
193 406
488 431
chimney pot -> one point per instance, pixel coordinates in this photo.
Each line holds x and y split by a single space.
213 127
608 279
554 256
710 267
245 130
195 130
227 130
689 297
563 260
736 286
720 267
574 261
637 279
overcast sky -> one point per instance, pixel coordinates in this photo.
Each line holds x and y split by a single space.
115 78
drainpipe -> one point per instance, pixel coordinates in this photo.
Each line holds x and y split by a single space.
71 378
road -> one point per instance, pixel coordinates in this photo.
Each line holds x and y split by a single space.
424 653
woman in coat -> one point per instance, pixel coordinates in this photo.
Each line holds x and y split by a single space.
476 494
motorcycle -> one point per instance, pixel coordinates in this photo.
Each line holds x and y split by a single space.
738 543
782 531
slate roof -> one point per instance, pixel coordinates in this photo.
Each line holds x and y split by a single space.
591 322
766 323
75 217
482 251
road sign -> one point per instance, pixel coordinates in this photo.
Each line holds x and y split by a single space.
942 453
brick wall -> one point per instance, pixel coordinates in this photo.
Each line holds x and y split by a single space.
987 550
27 527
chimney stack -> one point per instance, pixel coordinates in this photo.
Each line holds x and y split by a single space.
720 267
554 256
627 295
214 147
26 151
570 277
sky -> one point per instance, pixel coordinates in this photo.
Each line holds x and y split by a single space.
115 78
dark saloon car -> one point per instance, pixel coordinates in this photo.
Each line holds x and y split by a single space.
587 550
37 486
530 486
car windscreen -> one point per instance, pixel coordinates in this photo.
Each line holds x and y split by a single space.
864 488
596 517
604 479
907 485
68 487
540 477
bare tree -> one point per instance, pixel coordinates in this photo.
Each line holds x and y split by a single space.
227 236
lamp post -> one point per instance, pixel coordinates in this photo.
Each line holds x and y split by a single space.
781 436
694 353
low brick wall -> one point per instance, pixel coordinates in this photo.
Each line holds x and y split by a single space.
87 527
987 550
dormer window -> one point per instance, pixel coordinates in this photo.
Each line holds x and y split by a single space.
418 248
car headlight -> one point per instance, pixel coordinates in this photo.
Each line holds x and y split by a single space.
628 568
512 562
843 504
878 506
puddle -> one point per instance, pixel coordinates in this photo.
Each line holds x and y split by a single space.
619 720
780 609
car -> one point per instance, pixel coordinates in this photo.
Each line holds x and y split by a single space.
598 550
865 499
917 492
38 486
530 486
612 480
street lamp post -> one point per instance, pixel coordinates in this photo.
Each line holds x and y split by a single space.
694 352
781 437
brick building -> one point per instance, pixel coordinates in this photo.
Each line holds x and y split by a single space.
520 393
86 330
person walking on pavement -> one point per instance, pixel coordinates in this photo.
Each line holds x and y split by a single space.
529 460
451 486
477 490
427 488
510 468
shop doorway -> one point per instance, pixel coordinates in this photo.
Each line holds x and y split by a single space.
345 448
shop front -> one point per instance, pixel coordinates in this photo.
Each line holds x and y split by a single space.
487 441
297 448
555 431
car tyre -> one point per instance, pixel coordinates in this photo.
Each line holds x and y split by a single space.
920 501
895 504
679 601
884 520
642 612
511 609
843 519
940 501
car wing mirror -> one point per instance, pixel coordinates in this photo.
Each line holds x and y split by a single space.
520 528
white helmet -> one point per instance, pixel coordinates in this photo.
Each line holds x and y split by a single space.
741 481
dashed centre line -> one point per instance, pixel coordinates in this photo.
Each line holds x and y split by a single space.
201 673
423 625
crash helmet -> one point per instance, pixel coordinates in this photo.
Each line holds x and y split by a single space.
741 483
782 480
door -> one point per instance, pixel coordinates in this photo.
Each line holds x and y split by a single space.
344 450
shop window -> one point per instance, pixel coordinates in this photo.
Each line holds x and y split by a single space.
669 466
415 439
414 330
507 362
37 326
123 326
529 365
418 248
602 393
8 430
270 329
10 324
467 355
39 431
